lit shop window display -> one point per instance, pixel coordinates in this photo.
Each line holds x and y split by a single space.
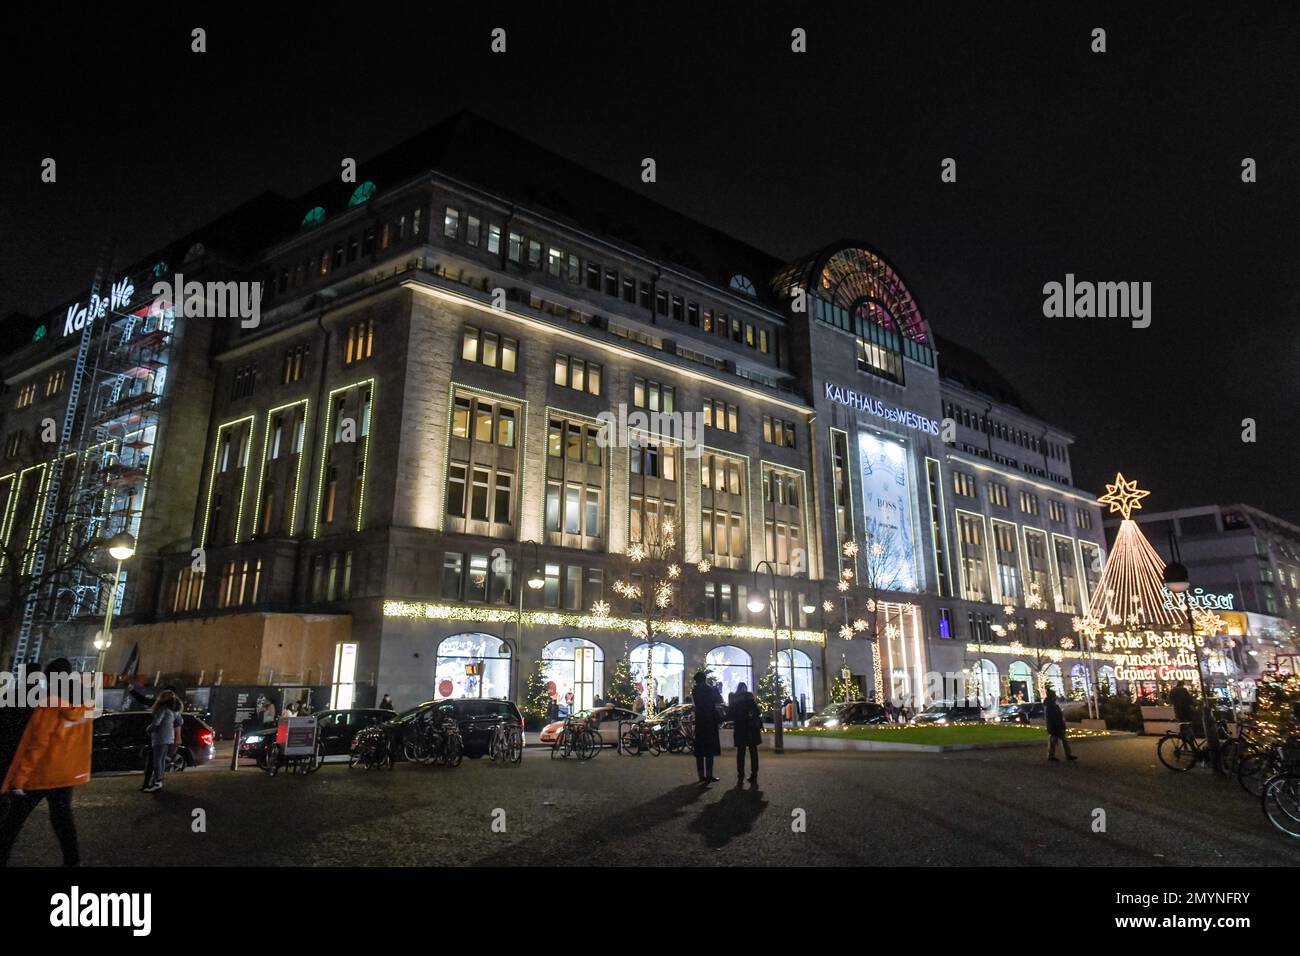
983 683
665 669
1106 680
574 669
1052 678
797 679
731 666
1020 682
472 665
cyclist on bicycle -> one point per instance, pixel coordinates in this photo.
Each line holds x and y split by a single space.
1180 699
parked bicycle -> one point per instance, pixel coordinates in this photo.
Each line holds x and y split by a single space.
641 737
1180 750
431 743
577 738
1281 800
372 749
507 743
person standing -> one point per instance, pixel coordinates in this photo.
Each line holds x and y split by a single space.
1056 727
1180 699
707 700
162 731
748 724
387 704
53 756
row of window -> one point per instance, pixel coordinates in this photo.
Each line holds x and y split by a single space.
964 484
1000 430
344 251
629 288
778 432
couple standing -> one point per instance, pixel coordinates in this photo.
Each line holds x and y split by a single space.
709 714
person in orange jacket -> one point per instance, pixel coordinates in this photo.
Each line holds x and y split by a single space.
53 756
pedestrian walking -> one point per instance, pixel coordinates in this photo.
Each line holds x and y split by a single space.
707 701
162 731
53 756
748 723
387 704
1056 728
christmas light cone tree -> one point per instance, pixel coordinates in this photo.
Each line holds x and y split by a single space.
1130 601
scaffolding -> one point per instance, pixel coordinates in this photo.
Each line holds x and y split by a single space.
100 474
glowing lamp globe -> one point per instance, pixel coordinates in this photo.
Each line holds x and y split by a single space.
121 546
535 580
756 604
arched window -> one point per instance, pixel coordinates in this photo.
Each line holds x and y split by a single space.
1079 681
983 684
800 682
1021 683
1052 678
575 673
666 667
1106 679
731 666
472 665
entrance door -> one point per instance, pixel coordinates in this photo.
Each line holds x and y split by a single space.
584 678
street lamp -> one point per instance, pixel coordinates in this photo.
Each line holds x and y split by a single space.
121 547
755 605
536 581
1176 579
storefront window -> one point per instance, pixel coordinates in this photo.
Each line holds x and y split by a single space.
1106 680
575 673
668 669
1020 683
1052 678
472 665
800 682
982 686
731 666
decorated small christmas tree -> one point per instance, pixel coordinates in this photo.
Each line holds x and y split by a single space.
1278 697
537 699
619 689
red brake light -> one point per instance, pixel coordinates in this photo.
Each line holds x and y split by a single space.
205 738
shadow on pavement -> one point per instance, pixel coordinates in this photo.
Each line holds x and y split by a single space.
732 816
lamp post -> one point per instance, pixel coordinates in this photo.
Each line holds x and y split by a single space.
536 580
756 604
1177 580
120 547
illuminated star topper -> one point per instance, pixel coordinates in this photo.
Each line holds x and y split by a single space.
1123 496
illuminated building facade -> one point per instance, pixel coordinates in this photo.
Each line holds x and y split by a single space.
413 430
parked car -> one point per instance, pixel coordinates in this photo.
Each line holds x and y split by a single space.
475 716
335 729
848 713
120 741
1020 713
945 713
604 719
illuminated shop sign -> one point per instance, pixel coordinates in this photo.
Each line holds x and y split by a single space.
119 297
874 406
1197 600
1151 656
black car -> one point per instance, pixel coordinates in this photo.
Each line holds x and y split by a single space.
1020 713
950 714
475 716
120 741
848 713
334 729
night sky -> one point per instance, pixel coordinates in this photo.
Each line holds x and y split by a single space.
1123 166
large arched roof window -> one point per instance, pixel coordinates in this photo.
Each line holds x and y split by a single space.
858 281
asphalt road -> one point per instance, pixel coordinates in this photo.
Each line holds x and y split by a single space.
993 807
